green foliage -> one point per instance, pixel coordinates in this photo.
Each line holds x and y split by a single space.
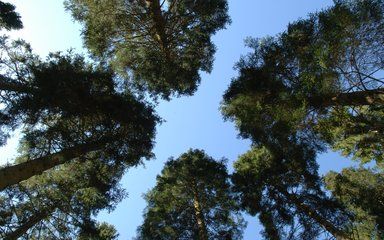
283 188
91 111
159 46
66 101
317 84
355 133
362 191
9 19
61 103
62 202
192 194
297 83
16 59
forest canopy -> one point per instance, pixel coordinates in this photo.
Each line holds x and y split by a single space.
86 120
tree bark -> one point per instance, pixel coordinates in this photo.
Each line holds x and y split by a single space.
337 233
13 87
202 228
159 22
358 98
20 172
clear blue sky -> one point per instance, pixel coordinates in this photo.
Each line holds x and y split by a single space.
191 122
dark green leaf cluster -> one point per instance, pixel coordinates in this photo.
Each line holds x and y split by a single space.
159 46
362 191
65 101
9 19
192 200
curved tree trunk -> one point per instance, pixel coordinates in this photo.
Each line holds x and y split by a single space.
27 225
308 210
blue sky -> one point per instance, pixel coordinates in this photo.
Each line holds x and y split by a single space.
191 122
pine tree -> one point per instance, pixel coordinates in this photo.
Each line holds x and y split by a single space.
61 203
320 80
283 188
192 200
70 108
158 45
362 191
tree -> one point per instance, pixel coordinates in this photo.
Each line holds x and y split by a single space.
61 202
320 80
317 84
69 108
283 188
191 200
159 46
80 132
362 191
9 19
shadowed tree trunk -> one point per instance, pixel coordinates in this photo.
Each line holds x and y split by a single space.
6 85
156 14
309 211
32 221
358 98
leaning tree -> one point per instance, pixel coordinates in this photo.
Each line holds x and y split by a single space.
62 203
79 133
68 108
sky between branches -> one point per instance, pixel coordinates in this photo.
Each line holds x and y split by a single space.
191 122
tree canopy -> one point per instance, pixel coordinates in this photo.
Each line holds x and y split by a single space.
316 86
192 200
284 189
62 202
320 81
78 112
80 132
361 191
9 18
159 46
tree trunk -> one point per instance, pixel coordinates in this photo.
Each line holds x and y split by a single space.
202 228
337 233
159 22
359 98
14 174
13 87
27 225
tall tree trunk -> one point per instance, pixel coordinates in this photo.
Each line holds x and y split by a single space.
16 173
308 210
358 98
202 228
32 221
159 22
